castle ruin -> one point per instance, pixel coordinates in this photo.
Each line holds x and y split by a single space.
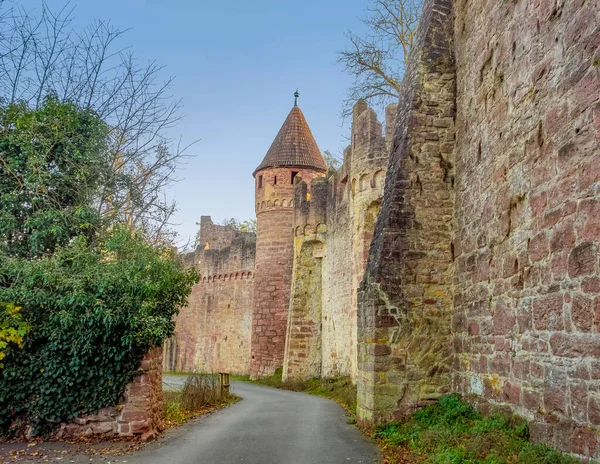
456 251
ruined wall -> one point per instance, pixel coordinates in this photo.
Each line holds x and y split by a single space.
140 412
405 299
333 226
213 332
528 213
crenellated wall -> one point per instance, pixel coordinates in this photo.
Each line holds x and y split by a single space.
459 252
334 219
213 332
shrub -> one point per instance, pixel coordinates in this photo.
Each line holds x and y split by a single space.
94 294
94 313
200 390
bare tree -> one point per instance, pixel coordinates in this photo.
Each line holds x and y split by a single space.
377 61
44 55
333 161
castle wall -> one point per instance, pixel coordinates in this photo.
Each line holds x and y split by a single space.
527 214
333 224
337 279
213 332
483 274
405 299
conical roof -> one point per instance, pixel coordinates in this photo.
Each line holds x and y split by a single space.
294 146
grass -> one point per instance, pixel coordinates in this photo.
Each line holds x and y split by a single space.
201 394
339 389
453 432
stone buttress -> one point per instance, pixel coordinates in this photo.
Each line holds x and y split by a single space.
405 299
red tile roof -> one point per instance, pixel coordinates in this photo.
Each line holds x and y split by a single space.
294 146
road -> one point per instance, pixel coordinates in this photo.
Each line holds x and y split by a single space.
269 426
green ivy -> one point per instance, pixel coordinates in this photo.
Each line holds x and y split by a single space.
95 313
94 297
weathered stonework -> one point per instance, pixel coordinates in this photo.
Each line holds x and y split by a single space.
274 258
212 333
477 264
527 293
334 220
405 299
140 412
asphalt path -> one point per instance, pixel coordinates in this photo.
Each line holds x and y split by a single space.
269 426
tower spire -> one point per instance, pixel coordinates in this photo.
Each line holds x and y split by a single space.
296 95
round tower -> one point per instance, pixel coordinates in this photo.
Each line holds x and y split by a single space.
293 154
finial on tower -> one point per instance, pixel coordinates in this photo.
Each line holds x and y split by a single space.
296 94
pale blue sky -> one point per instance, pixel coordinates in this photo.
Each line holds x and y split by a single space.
237 65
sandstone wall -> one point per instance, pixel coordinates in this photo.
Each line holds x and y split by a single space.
274 257
140 412
527 213
337 279
405 299
213 332
333 226
483 274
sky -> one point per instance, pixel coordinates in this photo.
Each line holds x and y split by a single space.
236 66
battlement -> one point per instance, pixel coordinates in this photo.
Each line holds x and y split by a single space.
310 212
214 236
222 252
369 145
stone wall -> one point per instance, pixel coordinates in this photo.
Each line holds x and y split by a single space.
527 323
140 412
405 299
483 274
212 333
333 226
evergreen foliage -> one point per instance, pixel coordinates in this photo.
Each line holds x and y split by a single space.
95 294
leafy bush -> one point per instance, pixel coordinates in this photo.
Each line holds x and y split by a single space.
453 432
12 328
96 295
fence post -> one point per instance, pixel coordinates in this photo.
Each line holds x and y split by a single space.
224 380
